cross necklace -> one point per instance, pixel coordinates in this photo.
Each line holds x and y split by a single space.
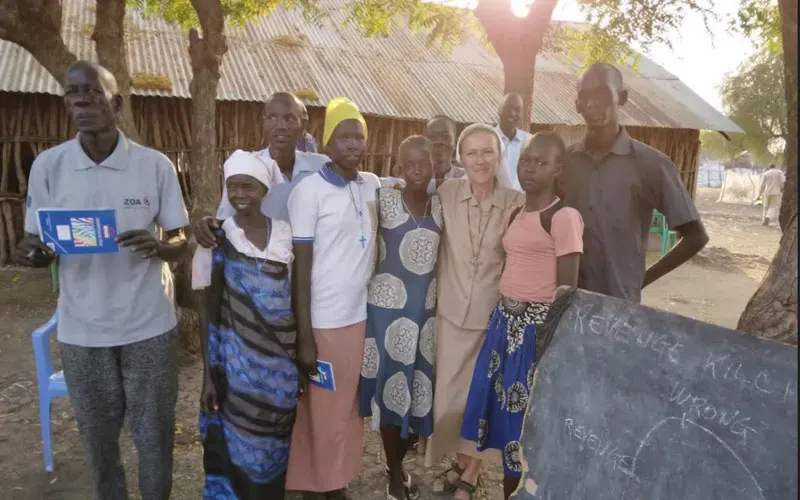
481 232
359 212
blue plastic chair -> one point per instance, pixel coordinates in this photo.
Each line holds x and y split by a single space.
51 385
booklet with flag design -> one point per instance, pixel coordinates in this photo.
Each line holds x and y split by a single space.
76 232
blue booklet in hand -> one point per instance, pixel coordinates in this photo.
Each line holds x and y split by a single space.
78 232
324 377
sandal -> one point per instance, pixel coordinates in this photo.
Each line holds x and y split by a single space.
389 496
412 491
467 488
448 487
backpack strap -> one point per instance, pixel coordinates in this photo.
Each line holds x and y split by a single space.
546 215
513 215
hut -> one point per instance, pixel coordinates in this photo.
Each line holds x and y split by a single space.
398 81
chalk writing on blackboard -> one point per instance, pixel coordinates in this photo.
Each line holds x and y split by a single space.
702 408
675 430
621 331
726 367
597 446
649 405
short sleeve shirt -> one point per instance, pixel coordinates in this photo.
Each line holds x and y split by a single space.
339 218
111 299
616 197
531 253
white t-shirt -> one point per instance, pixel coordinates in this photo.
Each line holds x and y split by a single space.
324 210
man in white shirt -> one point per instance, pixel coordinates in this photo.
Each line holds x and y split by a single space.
514 138
770 188
283 126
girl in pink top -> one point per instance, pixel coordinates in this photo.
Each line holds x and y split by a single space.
543 243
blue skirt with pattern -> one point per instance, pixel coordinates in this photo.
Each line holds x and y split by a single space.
498 394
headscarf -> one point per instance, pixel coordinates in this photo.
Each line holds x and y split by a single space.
340 109
264 170
500 173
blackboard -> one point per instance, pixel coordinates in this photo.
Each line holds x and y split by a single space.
631 403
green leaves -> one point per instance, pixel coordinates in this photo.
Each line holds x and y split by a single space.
444 25
646 22
236 12
761 20
753 98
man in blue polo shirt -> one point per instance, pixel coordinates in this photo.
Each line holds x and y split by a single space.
116 315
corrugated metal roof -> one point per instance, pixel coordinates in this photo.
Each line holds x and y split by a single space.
398 76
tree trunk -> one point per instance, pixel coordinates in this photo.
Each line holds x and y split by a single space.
772 311
35 25
517 42
204 175
109 38
519 78
206 55
788 10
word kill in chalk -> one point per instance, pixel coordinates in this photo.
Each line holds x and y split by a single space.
619 330
726 367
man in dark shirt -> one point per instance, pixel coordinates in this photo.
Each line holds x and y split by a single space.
616 182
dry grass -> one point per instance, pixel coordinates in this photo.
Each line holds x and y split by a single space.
150 81
291 41
307 94
87 30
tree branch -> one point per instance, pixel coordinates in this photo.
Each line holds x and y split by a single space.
109 39
35 25
538 20
208 50
501 25
206 54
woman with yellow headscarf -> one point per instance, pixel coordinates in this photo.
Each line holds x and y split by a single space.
334 221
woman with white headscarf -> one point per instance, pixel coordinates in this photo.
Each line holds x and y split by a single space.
470 263
251 382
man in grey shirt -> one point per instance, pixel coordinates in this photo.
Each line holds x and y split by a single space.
616 182
116 314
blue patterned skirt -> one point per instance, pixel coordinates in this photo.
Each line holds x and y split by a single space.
498 394
251 345
246 443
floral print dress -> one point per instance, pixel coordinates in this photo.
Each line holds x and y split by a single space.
397 370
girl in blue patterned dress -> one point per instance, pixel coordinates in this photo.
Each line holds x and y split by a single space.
250 383
397 370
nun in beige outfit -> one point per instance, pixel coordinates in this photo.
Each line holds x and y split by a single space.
470 263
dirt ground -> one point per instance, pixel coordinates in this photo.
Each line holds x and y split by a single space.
714 287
